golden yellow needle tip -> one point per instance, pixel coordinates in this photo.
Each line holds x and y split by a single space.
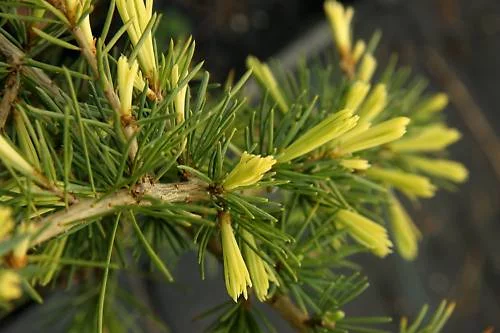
409 183
427 139
266 78
356 95
260 272
10 285
340 23
367 137
365 231
138 14
6 222
235 271
127 74
327 130
440 168
249 170
374 104
355 164
406 234
367 68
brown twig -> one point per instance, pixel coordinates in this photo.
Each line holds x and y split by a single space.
38 76
63 221
12 85
15 57
290 312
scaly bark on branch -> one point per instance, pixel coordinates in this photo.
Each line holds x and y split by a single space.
38 76
63 221
12 84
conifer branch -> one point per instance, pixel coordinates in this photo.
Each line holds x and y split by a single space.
89 53
12 85
281 303
16 58
290 312
140 195
330 162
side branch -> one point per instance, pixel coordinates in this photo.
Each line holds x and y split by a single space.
38 76
61 222
109 92
11 90
290 312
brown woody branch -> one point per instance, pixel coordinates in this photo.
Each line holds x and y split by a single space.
16 57
63 221
12 85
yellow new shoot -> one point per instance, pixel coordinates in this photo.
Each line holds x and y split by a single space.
127 74
250 169
180 98
137 15
340 24
355 164
330 128
356 95
367 68
10 285
434 104
406 234
407 182
374 104
235 271
6 222
74 10
259 272
365 231
431 138
368 137
268 81
359 49
446 169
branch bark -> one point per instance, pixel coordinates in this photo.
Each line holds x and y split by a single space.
38 76
12 84
290 312
142 194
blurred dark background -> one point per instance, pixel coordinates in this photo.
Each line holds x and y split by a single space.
456 44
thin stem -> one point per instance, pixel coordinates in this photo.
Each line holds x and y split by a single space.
149 250
290 312
88 52
102 296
